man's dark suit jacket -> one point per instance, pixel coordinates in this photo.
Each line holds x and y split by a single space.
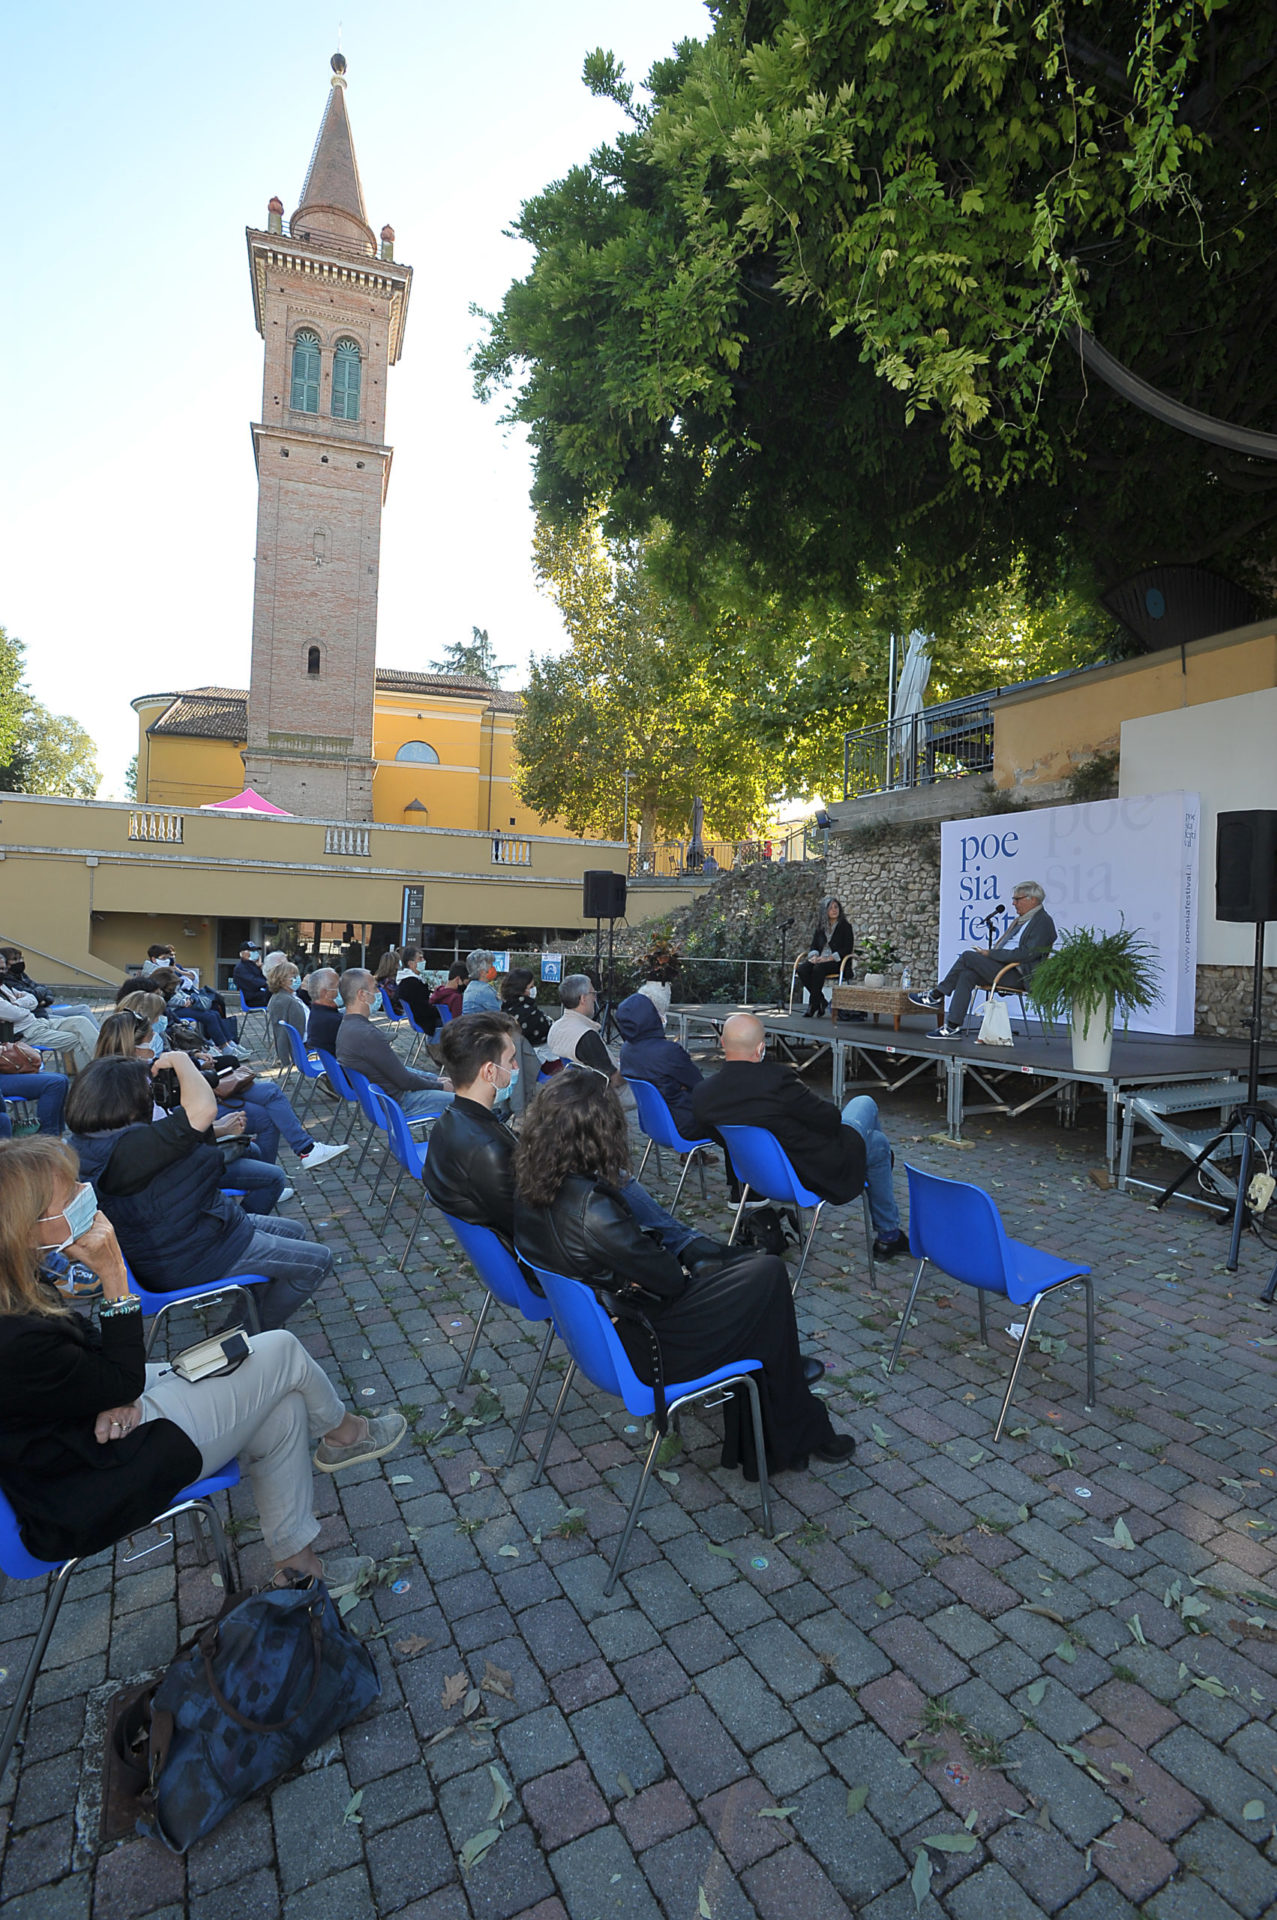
826 1156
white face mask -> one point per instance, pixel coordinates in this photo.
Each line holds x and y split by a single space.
78 1214
532 991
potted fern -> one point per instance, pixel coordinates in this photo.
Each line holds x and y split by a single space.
1086 978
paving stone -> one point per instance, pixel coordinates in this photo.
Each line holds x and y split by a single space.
138 1877
898 1795
1135 1860
346 1896
785 1661
409 1861
747 1708
256 1897
654 1815
1059 1714
849 1654
614 1740
697 1747
599 1879
1080 1808
991 1894
791 1883
67 1899
1189 1899
963 1631
1101 1901
1136 1713
915 1648
1234 1867
536 1742
564 1805
244 1841
1049 1869
1213 1776
650 1679
742 1834
680 1870
789 1764
511 1878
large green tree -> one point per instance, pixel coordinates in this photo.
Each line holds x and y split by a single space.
475 658
811 308
40 752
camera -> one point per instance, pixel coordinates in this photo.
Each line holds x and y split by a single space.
166 1089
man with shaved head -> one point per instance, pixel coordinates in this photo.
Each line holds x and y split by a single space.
833 1153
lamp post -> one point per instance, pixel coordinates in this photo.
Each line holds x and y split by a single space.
626 830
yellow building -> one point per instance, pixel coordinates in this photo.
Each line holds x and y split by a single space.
443 752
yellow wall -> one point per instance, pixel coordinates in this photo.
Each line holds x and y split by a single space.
186 773
1043 735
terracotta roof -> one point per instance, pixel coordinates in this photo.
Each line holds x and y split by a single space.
332 178
221 713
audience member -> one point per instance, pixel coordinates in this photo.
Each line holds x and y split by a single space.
1027 940
647 1055
832 1153
450 992
284 1007
73 1033
159 1183
519 1002
158 956
831 942
15 975
412 992
386 973
199 1007
362 1046
47 1090
571 1214
94 1441
480 995
323 1022
248 976
576 1034
469 1169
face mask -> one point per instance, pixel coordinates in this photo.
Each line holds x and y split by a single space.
532 993
160 1023
79 1214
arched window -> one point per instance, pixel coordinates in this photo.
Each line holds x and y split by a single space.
418 750
305 394
312 661
346 381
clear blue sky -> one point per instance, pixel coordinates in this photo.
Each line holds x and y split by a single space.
139 143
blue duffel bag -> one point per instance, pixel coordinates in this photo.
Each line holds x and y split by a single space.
274 1676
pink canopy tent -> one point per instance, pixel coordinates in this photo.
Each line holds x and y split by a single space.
246 802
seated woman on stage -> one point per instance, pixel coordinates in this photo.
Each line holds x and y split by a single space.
94 1442
831 942
1009 961
570 1217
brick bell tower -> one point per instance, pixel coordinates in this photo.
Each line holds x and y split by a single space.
331 309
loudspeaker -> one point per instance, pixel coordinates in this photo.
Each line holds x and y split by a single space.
1246 866
603 895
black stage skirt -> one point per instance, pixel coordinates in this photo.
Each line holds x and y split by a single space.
741 1311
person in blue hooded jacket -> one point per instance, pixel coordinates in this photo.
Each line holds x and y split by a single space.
647 1055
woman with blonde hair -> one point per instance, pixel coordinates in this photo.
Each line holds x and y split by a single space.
94 1442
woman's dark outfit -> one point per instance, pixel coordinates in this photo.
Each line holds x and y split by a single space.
532 1023
741 1311
449 994
72 1493
812 974
414 994
647 1055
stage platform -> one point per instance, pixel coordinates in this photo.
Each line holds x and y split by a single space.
869 1059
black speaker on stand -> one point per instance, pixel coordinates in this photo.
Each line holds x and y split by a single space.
603 898
1245 890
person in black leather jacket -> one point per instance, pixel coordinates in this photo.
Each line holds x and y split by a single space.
570 1216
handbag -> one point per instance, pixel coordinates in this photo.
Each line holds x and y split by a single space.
995 1028
17 1057
272 1678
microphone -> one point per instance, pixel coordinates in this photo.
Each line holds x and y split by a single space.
785 925
990 917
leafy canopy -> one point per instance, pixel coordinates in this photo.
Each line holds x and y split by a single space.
40 752
475 657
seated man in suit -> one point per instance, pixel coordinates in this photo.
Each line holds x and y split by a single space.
835 1154
1027 940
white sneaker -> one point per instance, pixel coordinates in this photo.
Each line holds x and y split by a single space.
287 1194
319 1155
241 1053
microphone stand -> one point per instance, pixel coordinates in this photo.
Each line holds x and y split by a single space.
785 925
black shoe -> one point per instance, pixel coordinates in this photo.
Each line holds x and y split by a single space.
807 1012
704 1253
888 1249
813 1369
840 1447
821 1010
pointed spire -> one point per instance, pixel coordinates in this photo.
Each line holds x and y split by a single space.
332 203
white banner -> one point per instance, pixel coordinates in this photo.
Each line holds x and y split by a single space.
1102 864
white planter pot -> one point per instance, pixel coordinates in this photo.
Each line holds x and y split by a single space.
875 979
1092 1039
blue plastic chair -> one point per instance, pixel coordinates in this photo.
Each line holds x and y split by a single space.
307 1064
16 1563
156 1305
341 1086
956 1227
368 1097
411 1155
659 1125
443 1010
594 1348
500 1273
419 1030
247 1013
388 1005
763 1165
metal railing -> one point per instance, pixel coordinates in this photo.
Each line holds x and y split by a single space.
346 840
156 826
935 744
681 860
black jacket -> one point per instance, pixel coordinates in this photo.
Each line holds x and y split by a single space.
590 1234
1036 942
532 1022
181 1230
71 1493
322 1025
826 1156
414 993
647 1055
469 1169
251 981
20 980
841 938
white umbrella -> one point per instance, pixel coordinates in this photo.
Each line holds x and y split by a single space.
914 676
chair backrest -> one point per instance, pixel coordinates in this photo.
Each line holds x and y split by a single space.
761 1161
336 1075
366 1094
297 1047
444 1011
655 1118
388 1004
15 1561
590 1338
413 1021
957 1227
498 1269
410 1153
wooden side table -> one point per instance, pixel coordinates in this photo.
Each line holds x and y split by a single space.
874 1000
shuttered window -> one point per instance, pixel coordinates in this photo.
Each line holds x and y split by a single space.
346 381
305 394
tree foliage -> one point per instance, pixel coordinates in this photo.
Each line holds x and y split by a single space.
40 752
810 309
475 658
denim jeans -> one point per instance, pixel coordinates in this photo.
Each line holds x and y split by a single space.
48 1090
671 1234
862 1114
261 1182
267 1114
425 1103
293 1265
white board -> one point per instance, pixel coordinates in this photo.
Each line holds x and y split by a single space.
1107 862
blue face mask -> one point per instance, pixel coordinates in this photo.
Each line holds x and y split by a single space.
79 1215
160 1023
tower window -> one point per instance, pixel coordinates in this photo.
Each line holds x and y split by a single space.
305 394
312 662
346 381
419 751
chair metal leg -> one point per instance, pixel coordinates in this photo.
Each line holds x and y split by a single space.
643 1162
699 1157
381 1168
1090 1341
631 1518
26 1685
217 1534
411 1241
548 1439
744 1196
984 1317
687 1168
815 1221
474 1340
394 1191
760 1452
908 1315
516 1440
867 1216
1038 1298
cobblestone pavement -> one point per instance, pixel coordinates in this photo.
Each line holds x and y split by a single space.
985 1682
